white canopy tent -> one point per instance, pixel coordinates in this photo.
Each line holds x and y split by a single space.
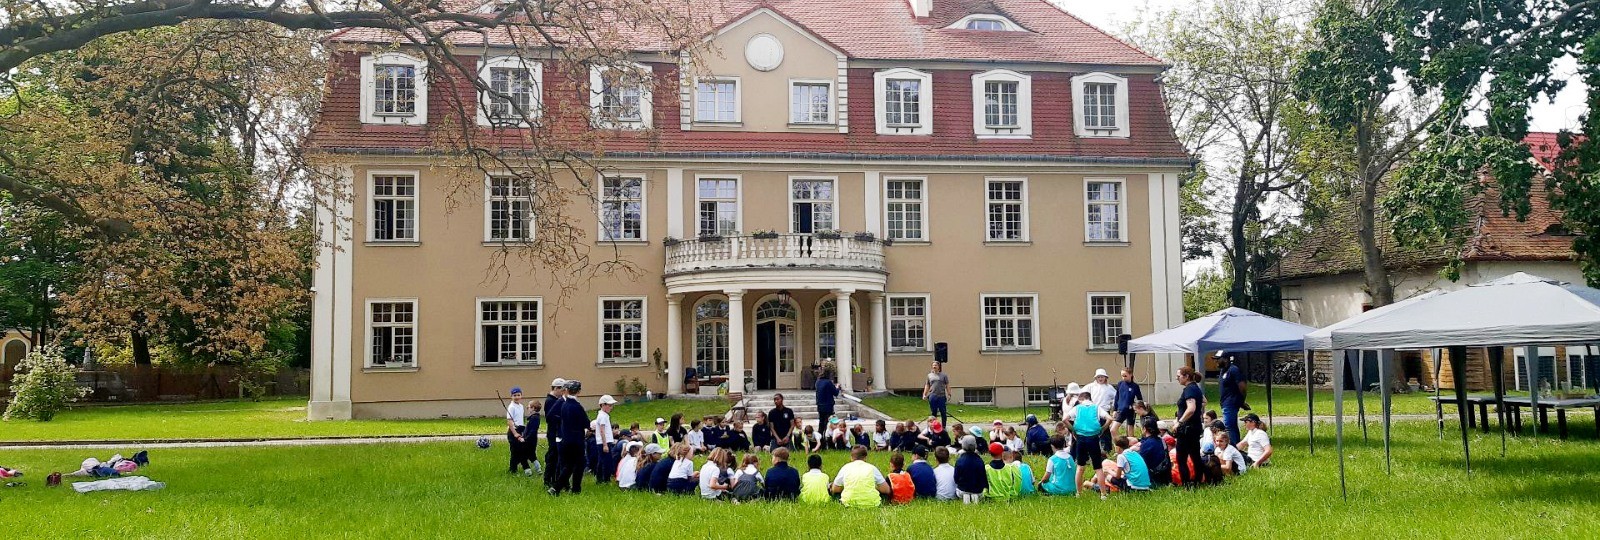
1519 309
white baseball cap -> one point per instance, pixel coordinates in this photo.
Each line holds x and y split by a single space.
608 400
1100 373
660 420
559 382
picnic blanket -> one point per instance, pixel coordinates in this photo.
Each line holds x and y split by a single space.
126 483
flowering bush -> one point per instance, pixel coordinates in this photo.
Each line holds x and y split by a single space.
44 384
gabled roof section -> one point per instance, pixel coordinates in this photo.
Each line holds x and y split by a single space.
758 10
868 29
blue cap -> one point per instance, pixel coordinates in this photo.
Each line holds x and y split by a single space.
516 389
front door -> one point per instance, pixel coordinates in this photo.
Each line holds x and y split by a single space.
785 350
767 355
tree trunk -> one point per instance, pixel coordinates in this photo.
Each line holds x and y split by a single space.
1380 290
1239 254
141 349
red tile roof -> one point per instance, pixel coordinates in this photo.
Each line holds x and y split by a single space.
878 29
1331 248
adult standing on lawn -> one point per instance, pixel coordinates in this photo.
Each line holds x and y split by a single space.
552 438
937 393
1189 430
1231 387
516 432
782 420
573 420
826 393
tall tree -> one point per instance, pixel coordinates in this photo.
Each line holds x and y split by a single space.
1232 100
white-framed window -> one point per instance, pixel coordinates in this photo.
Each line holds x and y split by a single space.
717 206
828 330
810 101
622 208
1002 104
811 205
904 101
717 100
711 336
905 204
394 89
1104 219
391 333
1006 208
510 331
619 96
622 327
985 21
1547 376
977 396
514 91
392 206
1100 105
1010 322
908 322
507 210
1038 395
1108 318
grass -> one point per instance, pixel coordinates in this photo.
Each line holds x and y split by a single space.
1288 401
452 489
283 418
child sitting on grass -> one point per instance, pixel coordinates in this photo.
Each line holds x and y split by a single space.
747 481
880 435
809 439
782 481
900 487
714 474
1133 474
1061 471
682 478
628 467
814 484
971 480
1004 483
1025 483
696 438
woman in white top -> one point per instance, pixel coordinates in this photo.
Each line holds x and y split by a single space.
1256 443
712 475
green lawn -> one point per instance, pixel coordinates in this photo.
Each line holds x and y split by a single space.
1285 401
452 489
283 418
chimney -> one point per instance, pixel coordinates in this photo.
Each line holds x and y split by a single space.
921 8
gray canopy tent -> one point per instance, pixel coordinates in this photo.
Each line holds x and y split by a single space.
1232 330
1519 309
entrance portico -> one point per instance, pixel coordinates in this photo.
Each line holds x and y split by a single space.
781 291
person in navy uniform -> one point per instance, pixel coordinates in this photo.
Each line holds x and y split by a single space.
574 420
826 392
552 414
1231 387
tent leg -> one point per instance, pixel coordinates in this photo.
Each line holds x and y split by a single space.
1338 416
1438 407
1458 367
1497 374
1531 354
1361 383
1385 363
1311 416
1270 374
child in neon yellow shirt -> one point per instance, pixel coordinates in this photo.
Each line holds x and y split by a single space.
814 483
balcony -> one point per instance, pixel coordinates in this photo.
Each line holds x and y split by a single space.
799 251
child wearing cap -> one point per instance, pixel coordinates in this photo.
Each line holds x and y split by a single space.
1004 483
648 458
605 436
516 432
1256 444
937 436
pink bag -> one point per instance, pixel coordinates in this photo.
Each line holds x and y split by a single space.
126 466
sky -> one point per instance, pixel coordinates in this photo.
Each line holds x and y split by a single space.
1113 15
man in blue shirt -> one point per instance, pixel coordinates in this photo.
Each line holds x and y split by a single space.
1231 386
1127 392
826 392
922 477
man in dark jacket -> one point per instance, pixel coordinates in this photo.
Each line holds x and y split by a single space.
922 477
573 422
826 392
552 414
782 481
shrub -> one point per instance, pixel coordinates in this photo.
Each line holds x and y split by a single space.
44 384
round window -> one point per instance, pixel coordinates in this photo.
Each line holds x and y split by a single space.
764 52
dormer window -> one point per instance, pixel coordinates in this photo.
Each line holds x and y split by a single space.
620 97
513 93
1100 105
985 21
1002 104
904 100
394 89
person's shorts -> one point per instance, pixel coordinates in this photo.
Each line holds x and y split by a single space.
1119 484
1126 417
1086 451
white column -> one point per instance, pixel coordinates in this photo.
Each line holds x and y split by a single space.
843 341
735 342
675 202
874 203
674 344
331 305
879 381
